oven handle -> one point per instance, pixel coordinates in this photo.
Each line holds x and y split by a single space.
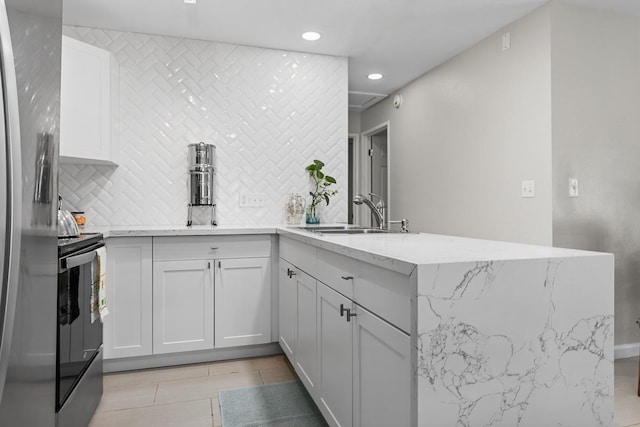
76 260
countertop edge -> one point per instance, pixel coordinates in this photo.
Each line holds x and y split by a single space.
396 252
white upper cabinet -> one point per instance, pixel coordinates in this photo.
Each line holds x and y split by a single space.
88 104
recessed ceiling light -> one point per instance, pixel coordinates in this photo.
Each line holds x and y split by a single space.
311 35
375 76
190 1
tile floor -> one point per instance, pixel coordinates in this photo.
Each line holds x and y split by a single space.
188 395
627 410
185 396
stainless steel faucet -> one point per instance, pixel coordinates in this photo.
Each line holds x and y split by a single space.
377 210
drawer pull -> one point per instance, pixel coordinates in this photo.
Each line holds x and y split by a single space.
350 315
347 277
214 248
343 310
290 273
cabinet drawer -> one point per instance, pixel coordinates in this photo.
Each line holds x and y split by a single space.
383 292
210 247
299 254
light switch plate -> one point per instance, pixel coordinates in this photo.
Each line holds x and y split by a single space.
573 187
528 188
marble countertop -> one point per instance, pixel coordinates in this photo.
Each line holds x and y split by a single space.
402 252
178 230
396 251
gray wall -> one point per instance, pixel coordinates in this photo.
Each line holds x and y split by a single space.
595 60
467 134
563 102
354 121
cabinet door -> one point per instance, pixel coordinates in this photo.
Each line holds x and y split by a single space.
334 386
85 103
287 309
382 373
242 302
128 327
305 356
182 306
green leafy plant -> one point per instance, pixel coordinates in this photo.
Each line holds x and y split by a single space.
321 182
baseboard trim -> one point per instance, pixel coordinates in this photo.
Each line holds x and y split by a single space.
173 359
623 351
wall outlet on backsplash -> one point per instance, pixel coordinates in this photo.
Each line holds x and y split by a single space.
253 200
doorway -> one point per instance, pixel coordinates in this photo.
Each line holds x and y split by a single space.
351 160
370 172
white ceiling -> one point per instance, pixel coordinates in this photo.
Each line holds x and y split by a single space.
401 39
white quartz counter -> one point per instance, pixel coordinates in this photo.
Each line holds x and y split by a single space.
178 230
402 252
398 251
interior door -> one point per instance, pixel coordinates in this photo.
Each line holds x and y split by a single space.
379 169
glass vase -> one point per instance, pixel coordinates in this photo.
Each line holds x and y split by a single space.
312 215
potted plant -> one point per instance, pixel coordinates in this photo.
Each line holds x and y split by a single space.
320 191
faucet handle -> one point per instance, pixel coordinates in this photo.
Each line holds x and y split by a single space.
404 224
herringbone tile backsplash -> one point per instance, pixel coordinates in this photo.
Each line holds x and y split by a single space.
268 112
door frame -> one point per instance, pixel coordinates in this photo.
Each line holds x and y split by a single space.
356 171
364 176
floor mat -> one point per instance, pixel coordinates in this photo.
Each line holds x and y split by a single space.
285 404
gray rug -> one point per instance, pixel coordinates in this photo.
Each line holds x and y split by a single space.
284 404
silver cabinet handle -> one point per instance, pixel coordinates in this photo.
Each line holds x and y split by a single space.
347 277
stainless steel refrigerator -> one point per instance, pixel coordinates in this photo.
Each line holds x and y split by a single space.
30 41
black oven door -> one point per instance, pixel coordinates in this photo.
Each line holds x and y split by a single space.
79 338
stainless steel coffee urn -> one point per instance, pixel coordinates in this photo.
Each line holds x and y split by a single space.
201 158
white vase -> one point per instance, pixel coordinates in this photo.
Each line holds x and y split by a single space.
294 210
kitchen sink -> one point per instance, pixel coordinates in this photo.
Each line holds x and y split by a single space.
345 229
321 228
357 231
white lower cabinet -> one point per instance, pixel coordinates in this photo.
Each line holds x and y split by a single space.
242 302
335 357
355 364
182 306
128 327
382 374
287 311
297 322
363 365
306 356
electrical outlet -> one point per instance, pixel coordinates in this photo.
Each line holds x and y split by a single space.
528 188
253 200
506 41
